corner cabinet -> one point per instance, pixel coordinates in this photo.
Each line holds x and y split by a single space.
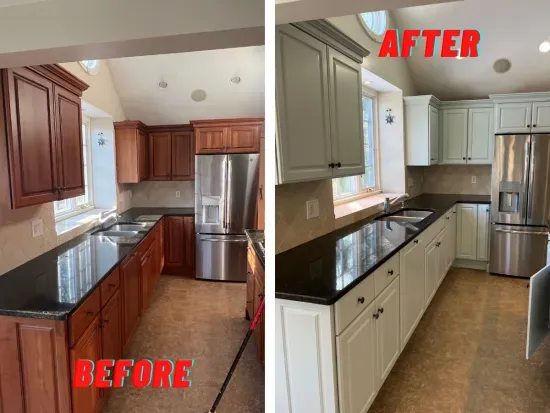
318 102
221 136
522 112
42 134
422 130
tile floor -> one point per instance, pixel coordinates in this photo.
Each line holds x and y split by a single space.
468 353
204 321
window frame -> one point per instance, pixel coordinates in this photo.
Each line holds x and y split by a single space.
375 36
74 210
364 193
90 70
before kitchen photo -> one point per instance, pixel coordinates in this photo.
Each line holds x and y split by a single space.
412 214
132 212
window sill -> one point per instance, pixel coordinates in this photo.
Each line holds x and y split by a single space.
85 219
352 211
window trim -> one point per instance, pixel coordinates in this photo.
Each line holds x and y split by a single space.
74 212
364 193
375 36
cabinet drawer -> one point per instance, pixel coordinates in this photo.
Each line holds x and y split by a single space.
349 306
109 286
384 275
83 316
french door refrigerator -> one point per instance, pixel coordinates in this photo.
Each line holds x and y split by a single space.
226 188
520 204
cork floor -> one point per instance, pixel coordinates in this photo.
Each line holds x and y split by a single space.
203 321
468 353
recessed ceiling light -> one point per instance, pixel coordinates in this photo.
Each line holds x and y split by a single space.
545 46
198 95
163 85
235 79
502 65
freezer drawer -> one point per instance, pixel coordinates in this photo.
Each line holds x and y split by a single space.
518 251
221 257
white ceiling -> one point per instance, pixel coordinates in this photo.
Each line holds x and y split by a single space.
136 80
514 31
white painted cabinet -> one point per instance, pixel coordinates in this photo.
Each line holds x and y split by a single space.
434 135
450 239
319 104
432 258
444 253
387 330
357 360
466 233
513 117
541 117
480 136
455 136
522 113
421 130
483 232
346 111
411 288
538 322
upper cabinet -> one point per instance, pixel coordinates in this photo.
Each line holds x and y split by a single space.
522 112
41 117
318 102
171 153
219 136
131 141
422 130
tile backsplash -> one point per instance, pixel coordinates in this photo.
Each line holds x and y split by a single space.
163 194
457 179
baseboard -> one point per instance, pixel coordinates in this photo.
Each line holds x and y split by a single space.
471 264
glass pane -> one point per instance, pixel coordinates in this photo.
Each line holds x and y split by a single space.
344 186
369 178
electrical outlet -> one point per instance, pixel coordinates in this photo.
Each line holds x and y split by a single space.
410 182
312 208
473 179
37 228
178 194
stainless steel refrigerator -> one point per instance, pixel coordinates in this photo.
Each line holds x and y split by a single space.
520 204
226 188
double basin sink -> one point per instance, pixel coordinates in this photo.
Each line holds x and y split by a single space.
126 230
406 216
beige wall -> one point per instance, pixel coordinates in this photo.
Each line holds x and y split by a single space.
395 71
163 194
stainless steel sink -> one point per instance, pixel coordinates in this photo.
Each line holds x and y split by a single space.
406 215
117 234
127 227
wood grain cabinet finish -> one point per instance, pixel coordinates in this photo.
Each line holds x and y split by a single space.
160 154
218 136
41 115
148 278
189 245
183 156
179 245
171 153
111 328
132 152
255 291
131 294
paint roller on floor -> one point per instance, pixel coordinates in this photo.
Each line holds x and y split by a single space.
239 354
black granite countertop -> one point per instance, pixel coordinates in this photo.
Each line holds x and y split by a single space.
53 284
323 270
255 236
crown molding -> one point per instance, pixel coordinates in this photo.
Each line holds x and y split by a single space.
422 100
520 97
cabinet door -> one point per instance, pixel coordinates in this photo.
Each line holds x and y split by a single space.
243 139
481 136
513 117
189 244
455 136
444 255
211 140
183 156
130 276
432 269
147 273
161 252
387 330
160 156
142 151
346 114
111 325
483 232
303 142
261 187
538 322
87 399
411 288
434 135
68 115
174 241
31 142
466 233
541 117
453 235
357 361
250 284
260 335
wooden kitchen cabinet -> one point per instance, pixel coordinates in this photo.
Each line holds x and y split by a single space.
171 153
87 399
183 156
261 188
131 141
189 244
160 156
219 136
255 292
179 245
131 294
148 275
41 115
111 328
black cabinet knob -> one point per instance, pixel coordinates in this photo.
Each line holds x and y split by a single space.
464 158
469 158
361 300
331 164
534 126
528 126
380 310
438 244
390 272
376 315
416 241
339 165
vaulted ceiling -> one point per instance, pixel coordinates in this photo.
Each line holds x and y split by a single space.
513 30
136 80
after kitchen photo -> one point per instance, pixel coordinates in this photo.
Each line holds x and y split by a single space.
412 213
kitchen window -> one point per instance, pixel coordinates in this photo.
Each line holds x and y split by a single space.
375 24
74 206
354 187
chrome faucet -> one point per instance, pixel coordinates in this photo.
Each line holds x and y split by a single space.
108 218
388 204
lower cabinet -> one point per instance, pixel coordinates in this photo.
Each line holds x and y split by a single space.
412 287
130 276
432 257
472 239
387 330
255 291
179 245
111 326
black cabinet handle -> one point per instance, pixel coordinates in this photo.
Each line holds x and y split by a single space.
361 300
390 272
376 315
534 126
464 159
416 241
339 165
487 210
381 310
331 164
469 158
528 126
447 217
438 244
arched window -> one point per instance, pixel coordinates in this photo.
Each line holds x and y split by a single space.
375 23
90 66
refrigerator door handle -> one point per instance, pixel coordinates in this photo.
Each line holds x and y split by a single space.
223 240
223 201
526 173
511 231
228 190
